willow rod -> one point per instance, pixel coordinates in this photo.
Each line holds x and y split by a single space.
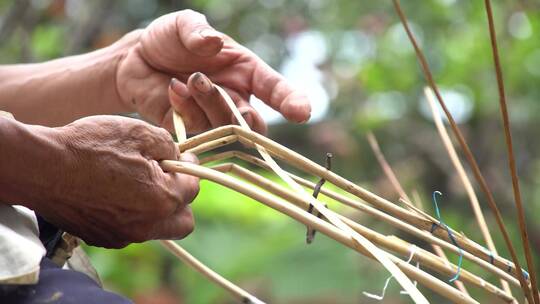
377 214
310 220
510 148
478 214
470 157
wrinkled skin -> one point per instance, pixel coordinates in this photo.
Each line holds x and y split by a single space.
125 196
182 43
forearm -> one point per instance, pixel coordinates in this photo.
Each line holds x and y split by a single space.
30 158
57 92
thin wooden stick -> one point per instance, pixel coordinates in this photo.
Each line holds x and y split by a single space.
399 189
510 149
377 214
190 260
387 169
388 242
400 277
470 157
213 144
479 215
310 220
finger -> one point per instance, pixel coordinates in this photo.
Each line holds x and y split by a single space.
197 35
184 188
189 157
274 90
177 226
209 100
193 116
251 116
159 145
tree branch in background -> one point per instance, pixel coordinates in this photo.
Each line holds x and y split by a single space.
470 157
510 150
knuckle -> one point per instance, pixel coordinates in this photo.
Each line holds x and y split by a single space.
190 13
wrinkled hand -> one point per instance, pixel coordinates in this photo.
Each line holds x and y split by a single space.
182 43
113 191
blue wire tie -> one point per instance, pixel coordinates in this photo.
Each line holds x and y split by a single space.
450 235
434 227
491 258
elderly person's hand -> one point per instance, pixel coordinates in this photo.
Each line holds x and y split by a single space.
99 178
182 43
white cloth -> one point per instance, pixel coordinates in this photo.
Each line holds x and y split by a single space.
20 248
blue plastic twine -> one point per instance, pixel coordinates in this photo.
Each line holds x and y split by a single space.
450 235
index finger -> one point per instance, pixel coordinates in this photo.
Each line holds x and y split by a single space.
272 88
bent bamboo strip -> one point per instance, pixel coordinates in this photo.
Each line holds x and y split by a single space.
393 243
306 218
400 277
299 161
377 214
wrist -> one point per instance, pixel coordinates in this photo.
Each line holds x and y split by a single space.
32 161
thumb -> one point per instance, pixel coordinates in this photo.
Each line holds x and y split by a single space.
197 35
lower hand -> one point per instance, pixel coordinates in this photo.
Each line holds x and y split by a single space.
112 191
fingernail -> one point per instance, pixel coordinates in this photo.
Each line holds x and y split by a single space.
209 33
247 117
179 88
202 83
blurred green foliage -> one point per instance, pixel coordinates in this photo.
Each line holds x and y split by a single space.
373 82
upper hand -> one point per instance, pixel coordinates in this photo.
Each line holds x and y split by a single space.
182 43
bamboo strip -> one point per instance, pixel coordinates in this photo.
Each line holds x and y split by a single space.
213 144
400 277
388 242
306 165
375 213
310 220
190 260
